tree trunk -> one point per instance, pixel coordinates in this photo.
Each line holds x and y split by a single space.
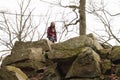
82 21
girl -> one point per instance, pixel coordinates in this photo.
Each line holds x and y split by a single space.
51 33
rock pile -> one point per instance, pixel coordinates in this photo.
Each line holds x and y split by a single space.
79 58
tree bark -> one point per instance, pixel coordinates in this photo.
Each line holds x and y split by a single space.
82 21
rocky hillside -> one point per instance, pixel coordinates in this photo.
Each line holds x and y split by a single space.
79 58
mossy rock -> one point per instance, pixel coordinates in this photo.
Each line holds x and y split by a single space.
73 43
64 54
26 54
117 71
115 54
85 65
12 73
18 46
76 42
30 67
104 53
106 66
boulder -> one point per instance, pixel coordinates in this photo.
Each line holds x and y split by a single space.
115 55
96 44
106 66
64 54
86 65
18 46
12 73
104 53
30 67
75 43
25 54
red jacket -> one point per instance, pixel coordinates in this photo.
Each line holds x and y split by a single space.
50 33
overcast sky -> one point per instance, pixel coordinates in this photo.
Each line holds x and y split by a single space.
41 8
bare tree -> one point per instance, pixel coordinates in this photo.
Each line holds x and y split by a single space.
80 16
105 17
17 27
78 7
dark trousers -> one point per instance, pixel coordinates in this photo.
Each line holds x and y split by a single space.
51 38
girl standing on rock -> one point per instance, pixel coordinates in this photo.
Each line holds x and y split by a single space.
51 33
